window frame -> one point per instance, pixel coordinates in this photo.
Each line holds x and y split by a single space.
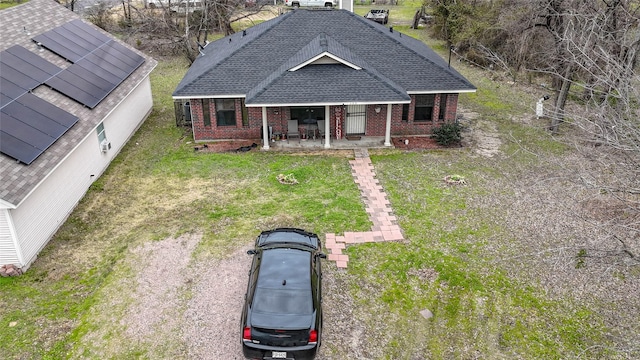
102 135
296 111
221 109
424 104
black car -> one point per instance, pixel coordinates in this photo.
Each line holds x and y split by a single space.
282 314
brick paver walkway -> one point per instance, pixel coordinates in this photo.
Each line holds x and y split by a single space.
385 227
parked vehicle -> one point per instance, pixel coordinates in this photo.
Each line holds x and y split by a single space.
177 6
282 313
378 15
316 3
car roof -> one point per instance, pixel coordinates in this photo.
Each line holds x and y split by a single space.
288 236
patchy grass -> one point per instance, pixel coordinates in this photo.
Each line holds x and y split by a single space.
447 267
158 187
4 4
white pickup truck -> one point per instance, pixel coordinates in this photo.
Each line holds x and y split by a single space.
313 3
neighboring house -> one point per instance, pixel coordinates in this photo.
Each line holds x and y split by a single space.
357 76
71 97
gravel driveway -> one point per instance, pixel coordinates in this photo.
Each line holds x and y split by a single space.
208 322
212 317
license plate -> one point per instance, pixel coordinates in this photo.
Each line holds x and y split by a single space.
279 354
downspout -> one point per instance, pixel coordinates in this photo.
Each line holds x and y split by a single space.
387 130
265 129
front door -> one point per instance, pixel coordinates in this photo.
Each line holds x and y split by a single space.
356 120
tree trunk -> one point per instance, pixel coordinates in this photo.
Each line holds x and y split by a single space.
558 112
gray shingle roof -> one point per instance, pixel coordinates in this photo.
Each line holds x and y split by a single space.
256 64
19 25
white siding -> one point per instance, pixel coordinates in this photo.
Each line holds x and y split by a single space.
8 251
40 215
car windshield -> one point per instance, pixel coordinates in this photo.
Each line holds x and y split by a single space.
280 301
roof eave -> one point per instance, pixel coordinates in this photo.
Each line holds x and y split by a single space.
220 96
331 103
453 91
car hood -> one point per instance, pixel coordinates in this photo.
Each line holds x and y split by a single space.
280 321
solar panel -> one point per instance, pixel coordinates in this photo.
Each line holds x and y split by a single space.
93 77
42 114
89 33
26 133
30 125
100 63
10 89
20 60
18 149
25 82
99 60
80 37
77 90
73 40
62 46
4 100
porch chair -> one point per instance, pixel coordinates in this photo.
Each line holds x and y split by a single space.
292 129
321 128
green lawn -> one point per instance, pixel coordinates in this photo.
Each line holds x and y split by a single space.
159 187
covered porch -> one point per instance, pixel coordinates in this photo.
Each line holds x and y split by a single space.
370 142
327 126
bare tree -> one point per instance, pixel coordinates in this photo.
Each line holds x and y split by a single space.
589 50
182 27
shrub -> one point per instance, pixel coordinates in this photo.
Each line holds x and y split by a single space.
447 134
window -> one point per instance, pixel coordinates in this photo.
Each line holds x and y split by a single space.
443 107
307 115
101 134
226 112
245 113
405 112
206 112
424 108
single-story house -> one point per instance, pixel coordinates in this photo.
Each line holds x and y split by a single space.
328 69
71 96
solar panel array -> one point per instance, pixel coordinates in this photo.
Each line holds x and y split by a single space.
29 124
100 63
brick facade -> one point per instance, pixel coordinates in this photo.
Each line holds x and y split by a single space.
277 118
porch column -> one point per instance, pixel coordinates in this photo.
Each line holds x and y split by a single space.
265 129
327 126
387 130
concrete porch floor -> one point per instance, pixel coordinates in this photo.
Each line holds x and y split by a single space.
370 142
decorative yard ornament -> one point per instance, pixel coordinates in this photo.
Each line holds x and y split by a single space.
540 106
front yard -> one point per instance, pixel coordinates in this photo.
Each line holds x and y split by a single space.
151 264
